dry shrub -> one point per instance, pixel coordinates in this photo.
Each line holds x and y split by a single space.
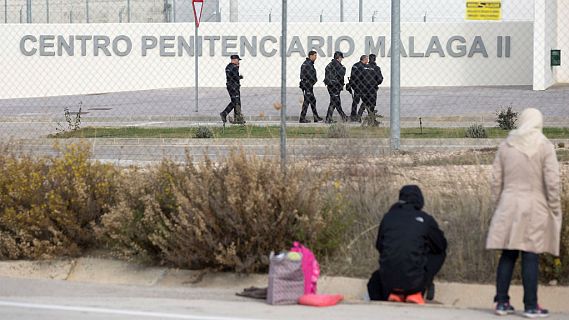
563 267
557 268
227 216
49 205
460 201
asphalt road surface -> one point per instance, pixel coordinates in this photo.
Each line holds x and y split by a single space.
36 117
173 104
22 299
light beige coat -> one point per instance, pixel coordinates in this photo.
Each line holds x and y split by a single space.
528 205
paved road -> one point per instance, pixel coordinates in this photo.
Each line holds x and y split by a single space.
172 104
32 118
47 299
438 107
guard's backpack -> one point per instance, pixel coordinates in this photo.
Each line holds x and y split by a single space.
310 267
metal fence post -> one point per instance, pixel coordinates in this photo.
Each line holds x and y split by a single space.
341 10
361 10
395 103
87 11
29 11
166 9
196 73
233 11
5 11
173 10
47 11
217 11
128 10
283 83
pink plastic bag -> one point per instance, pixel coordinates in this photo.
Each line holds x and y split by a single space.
320 300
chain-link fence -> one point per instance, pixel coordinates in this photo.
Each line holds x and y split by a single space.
461 60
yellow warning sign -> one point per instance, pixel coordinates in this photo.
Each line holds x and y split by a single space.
484 10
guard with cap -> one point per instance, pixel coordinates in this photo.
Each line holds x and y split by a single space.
234 89
412 251
334 80
308 79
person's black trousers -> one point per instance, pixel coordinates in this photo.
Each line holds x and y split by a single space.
377 290
530 274
367 101
355 102
434 265
335 103
235 97
309 99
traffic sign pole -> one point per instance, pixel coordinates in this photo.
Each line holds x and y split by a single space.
198 8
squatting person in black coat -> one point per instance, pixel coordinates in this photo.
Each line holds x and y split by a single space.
371 78
334 80
233 84
308 79
412 251
357 83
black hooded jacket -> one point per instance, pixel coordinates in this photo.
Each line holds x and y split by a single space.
372 77
233 77
334 76
406 237
308 76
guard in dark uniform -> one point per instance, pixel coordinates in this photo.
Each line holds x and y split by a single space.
356 82
234 89
377 76
308 79
334 80
369 85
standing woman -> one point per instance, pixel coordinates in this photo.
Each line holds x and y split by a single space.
527 219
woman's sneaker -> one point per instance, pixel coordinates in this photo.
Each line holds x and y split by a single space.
504 309
536 313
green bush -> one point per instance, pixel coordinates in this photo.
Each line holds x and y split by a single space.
49 206
507 118
338 131
476 131
203 133
227 216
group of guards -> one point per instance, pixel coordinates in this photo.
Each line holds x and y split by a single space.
363 85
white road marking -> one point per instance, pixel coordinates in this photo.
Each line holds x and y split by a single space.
144 124
158 315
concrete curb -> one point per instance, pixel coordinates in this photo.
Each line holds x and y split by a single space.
107 271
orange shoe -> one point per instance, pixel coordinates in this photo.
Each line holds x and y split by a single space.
396 298
415 298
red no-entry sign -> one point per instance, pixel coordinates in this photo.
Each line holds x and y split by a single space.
198 7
